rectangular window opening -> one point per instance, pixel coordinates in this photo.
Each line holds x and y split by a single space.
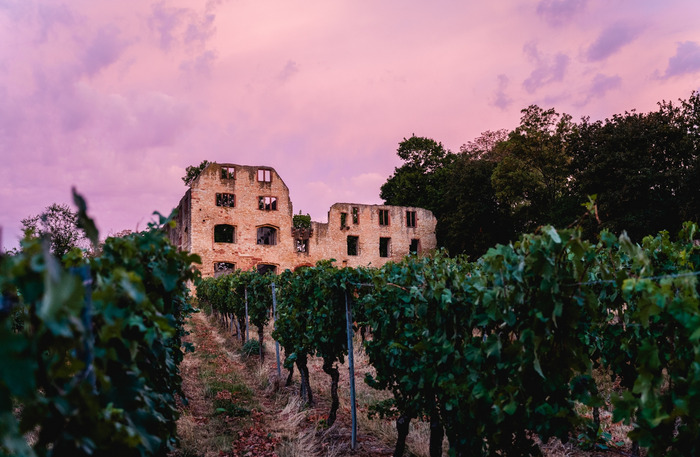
411 219
383 217
223 268
226 200
343 220
264 175
302 246
224 233
353 245
355 215
384 247
267 203
228 173
415 246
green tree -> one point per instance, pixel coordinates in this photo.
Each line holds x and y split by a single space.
59 224
644 167
470 217
532 178
192 172
418 181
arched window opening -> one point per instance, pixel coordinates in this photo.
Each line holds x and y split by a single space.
264 268
267 236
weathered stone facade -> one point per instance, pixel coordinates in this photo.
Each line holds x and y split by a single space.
237 216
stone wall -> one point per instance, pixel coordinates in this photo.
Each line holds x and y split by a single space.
199 214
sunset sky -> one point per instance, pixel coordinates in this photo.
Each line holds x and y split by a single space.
118 97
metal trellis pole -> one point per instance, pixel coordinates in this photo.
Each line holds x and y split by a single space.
277 344
351 369
247 325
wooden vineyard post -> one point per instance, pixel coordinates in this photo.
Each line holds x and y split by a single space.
351 369
277 344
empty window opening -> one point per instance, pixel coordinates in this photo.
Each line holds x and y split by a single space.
228 173
410 218
224 233
228 200
383 217
355 215
264 268
302 246
353 245
267 236
384 247
223 268
267 203
264 175
343 220
415 246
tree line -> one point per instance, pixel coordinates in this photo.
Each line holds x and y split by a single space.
638 170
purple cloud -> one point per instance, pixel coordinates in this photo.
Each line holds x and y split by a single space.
686 60
501 99
50 16
185 25
104 50
600 86
200 30
547 70
201 64
611 40
558 12
166 21
289 70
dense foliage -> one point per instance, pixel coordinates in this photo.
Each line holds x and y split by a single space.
503 350
643 167
90 348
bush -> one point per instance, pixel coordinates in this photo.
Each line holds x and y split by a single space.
251 348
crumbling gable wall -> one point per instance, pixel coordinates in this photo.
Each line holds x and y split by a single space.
363 222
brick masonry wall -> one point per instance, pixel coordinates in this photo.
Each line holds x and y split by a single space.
199 214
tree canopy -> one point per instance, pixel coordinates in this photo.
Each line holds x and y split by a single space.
59 224
642 168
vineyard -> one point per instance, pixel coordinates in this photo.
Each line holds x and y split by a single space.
90 348
497 355
501 353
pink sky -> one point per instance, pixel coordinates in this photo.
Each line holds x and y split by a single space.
118 97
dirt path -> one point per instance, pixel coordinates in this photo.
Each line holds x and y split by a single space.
236 407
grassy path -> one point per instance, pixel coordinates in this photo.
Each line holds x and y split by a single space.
238 408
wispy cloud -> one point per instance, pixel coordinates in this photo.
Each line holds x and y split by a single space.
104 49
547 69
182 25
599 87
686 60
500 97
611 40
289 70
559 12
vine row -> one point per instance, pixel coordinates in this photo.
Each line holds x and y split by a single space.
497 352
90 347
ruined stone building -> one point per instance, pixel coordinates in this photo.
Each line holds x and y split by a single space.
237 216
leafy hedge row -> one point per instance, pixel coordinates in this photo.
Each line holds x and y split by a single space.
90 365
500 351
